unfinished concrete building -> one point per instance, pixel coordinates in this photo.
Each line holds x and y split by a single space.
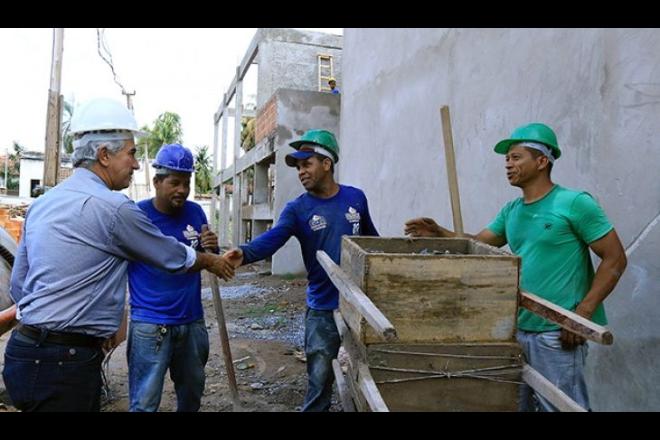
293 68
596 87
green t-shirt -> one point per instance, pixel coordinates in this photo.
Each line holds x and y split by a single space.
552 237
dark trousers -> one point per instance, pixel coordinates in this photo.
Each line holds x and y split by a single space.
43 376
322 343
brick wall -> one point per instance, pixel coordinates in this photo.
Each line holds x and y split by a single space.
266 120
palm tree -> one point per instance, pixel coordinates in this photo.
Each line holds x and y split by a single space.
203 181
166 130
14 168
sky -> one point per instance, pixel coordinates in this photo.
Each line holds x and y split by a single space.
185 71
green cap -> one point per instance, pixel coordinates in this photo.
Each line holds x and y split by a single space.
534 132
322 138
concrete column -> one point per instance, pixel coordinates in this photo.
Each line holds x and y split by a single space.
224 198
236 195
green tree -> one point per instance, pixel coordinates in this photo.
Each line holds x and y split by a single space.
14 166
166 130
203 181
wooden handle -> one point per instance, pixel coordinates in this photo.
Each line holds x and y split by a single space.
224 342
354 295
450 160
566 319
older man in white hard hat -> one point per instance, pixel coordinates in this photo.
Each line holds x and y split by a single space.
69 276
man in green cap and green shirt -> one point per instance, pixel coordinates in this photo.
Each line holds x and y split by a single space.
552 229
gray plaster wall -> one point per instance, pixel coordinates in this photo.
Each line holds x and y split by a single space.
600 91
297 112
288 59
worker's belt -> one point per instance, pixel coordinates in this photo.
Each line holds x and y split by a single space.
62 338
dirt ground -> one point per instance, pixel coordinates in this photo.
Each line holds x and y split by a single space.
264 315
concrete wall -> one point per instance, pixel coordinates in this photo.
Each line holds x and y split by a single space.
297 112
598 88
288 59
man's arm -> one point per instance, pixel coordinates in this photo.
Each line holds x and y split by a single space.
19 271
136 238
427 227
614 262
267 243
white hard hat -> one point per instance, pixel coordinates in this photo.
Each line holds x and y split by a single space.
102 114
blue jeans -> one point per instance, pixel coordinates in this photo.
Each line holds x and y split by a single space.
564 368
52 377
152 349
321 347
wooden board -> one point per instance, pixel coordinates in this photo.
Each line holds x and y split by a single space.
496 390
444 299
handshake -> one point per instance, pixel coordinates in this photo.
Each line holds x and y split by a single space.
223 265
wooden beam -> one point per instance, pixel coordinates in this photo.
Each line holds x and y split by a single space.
342 388
450 160
354 295
546 389
370 389
565 318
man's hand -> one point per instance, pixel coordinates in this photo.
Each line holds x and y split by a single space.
208 239
221 266
570 340
234 256
423 227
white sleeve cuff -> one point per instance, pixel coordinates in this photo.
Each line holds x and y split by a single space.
191 257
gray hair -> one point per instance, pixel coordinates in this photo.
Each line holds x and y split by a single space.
87 146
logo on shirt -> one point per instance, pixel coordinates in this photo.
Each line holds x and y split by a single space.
352 215
547 226
317 223
192 236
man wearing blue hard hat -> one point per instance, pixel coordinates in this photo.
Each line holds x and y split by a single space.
552 229
318 219
167 328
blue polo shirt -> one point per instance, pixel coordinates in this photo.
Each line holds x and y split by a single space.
318 224
157 296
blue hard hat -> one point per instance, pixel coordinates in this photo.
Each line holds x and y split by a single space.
175 157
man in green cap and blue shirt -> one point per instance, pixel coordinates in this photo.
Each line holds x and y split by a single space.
318 219
552 229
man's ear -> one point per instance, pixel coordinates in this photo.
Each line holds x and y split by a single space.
103 156
327 164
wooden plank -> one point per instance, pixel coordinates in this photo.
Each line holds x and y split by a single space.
353 294
565 318
546 388
342 388
468 377
404 245
452 177
355 350
370 390
358 398
451 298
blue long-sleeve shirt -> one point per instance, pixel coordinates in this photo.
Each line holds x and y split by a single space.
70 270
318 224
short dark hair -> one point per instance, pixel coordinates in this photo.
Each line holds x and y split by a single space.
536 154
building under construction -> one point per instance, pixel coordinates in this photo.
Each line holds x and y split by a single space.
293 68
